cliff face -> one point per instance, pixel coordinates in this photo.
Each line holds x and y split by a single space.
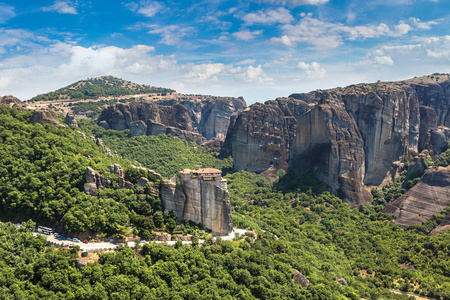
193 120
328 141
259 137
351 137
428 197
203 202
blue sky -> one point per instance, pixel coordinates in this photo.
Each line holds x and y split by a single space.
259 49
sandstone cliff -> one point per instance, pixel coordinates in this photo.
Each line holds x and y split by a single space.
428 197
196 120
353 137
202 201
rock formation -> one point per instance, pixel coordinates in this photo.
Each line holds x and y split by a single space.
436 139
45 117
445 225
11 101
299 278
94 181
70 120
428 197
201 197
192 120
353 137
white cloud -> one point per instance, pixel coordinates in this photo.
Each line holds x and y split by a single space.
61 7
6 12
283 61
146 8
327 35
401 29
251 74
246 34
313 70
204 72
431 52
269 16
284 40
171 35
296 2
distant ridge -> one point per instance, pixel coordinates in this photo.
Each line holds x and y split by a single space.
104 86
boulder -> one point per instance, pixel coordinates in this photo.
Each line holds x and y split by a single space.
299 278
342 281
142 182
90 189
45 117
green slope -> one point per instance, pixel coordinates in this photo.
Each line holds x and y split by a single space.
104 86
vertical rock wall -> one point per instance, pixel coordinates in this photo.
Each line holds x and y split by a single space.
202 202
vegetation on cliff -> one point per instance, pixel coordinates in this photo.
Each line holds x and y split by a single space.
163 153
299 226
104 86
42 170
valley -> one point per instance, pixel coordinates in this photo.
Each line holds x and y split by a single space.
336 185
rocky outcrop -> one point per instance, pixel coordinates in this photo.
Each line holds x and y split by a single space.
259 137
201 197
95 181
436 139
196 120
11 101
299 278
45 117
70 120
434 91
428 197
353 137
443 226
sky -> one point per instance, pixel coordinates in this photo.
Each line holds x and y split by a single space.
258 49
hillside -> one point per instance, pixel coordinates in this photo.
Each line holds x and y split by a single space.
43 174
104 86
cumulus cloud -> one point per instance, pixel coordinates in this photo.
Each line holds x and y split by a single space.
313 70
251 74
6 12
431 52
246 34
64 63
284 40
269 16
328 35
61 7
146 8
204 72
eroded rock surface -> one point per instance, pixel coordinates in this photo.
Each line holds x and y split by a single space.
191 120
428 197
202 197
352 137
45 117
11 101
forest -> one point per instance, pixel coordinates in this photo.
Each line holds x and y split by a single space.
299 226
